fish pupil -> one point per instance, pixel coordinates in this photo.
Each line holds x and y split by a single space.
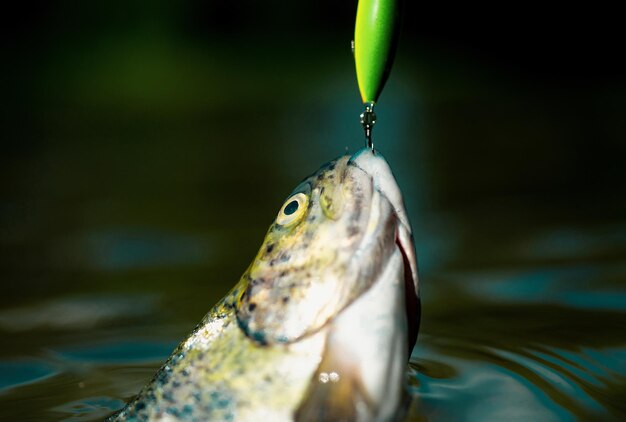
291 207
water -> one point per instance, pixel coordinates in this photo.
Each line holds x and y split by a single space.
536 336
132 204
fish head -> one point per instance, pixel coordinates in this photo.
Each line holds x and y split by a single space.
328 245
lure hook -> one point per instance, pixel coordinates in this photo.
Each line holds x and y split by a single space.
368 119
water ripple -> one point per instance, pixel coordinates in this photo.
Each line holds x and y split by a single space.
453 380
22 372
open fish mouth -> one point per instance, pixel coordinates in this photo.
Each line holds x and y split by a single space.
372 163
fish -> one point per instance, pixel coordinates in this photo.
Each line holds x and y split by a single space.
321 324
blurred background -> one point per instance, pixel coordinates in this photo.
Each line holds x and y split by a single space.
147 146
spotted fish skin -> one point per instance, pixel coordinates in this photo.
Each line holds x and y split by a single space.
320 325
206 375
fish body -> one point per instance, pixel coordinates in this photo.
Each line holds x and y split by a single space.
320 325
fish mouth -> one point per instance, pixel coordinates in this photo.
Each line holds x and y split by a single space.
374 164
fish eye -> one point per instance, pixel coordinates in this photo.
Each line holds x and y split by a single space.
293 209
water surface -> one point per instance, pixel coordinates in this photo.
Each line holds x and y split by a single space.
527 338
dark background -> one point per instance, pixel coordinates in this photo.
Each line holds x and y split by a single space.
536 90
197 116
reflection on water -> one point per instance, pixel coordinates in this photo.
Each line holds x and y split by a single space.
88 409
80 312
119 352
455 380
17 373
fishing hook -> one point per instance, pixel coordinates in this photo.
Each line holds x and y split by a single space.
368 119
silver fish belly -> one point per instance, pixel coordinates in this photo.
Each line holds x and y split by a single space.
319 327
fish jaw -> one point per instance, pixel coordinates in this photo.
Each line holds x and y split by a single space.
375 165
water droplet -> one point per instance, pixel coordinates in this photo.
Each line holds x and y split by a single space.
324 377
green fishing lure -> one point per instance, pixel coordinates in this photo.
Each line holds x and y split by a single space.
375 40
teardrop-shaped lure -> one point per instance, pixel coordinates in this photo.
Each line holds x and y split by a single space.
375 40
